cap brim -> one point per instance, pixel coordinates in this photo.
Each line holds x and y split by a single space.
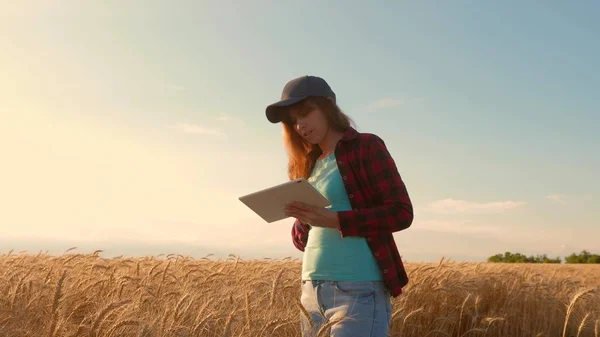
274 111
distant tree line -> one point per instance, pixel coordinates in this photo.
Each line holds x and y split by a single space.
584 257
508 257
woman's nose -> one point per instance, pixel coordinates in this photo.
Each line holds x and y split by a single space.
300 125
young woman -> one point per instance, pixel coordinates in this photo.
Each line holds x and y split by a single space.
351 266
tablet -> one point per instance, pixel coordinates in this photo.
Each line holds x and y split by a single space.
269 203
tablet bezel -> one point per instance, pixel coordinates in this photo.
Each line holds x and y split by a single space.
269 203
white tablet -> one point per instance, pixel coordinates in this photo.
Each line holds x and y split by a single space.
269 203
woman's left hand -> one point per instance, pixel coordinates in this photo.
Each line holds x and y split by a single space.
315 216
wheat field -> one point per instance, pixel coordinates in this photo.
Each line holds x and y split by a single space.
87 295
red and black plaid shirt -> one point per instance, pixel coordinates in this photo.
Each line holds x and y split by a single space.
379 199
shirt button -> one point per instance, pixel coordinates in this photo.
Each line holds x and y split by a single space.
385 271
345 177
369 239
376 254
339 162
351 195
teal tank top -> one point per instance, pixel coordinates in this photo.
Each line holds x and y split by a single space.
328 256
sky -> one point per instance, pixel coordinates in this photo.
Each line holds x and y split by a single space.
134 126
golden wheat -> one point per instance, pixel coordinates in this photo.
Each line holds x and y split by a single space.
174 295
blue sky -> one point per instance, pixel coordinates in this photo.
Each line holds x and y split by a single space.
142 122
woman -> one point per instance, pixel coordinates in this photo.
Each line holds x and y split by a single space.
351 267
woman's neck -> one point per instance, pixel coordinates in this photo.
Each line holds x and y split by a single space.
328 143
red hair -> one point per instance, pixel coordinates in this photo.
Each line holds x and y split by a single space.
302 155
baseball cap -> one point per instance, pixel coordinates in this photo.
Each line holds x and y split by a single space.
296 90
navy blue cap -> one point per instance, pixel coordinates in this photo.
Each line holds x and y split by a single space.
297 90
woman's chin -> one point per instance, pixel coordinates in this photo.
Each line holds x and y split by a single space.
310 140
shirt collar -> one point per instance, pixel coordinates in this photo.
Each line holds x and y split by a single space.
349 134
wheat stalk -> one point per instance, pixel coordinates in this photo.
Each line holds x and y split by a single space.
271 323
163 321
18 288
572 305
325 328
145 332
121 324
410 314
227 329
462 309
275 281
582 324
200 325
439 332
305 313
247 312
103 313
79 330
478 330
55 303
164 275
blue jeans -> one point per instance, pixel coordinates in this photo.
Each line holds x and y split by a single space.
366 307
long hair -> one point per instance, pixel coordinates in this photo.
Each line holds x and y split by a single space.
303 155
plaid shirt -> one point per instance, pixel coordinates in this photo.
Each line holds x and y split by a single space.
379 199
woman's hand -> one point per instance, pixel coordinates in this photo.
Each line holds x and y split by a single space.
315 216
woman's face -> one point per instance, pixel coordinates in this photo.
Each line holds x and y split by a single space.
309 122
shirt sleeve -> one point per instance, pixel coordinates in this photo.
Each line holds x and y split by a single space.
394 212
300 234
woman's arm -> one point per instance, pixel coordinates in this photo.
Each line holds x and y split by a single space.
395 213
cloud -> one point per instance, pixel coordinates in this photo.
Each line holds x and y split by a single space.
390 102
556 198
197 129
450 206
460 226
207 131
230 119
384 103
565 248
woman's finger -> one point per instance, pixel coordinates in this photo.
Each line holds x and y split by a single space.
299 210
306 216
296 213
300 205
299 217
